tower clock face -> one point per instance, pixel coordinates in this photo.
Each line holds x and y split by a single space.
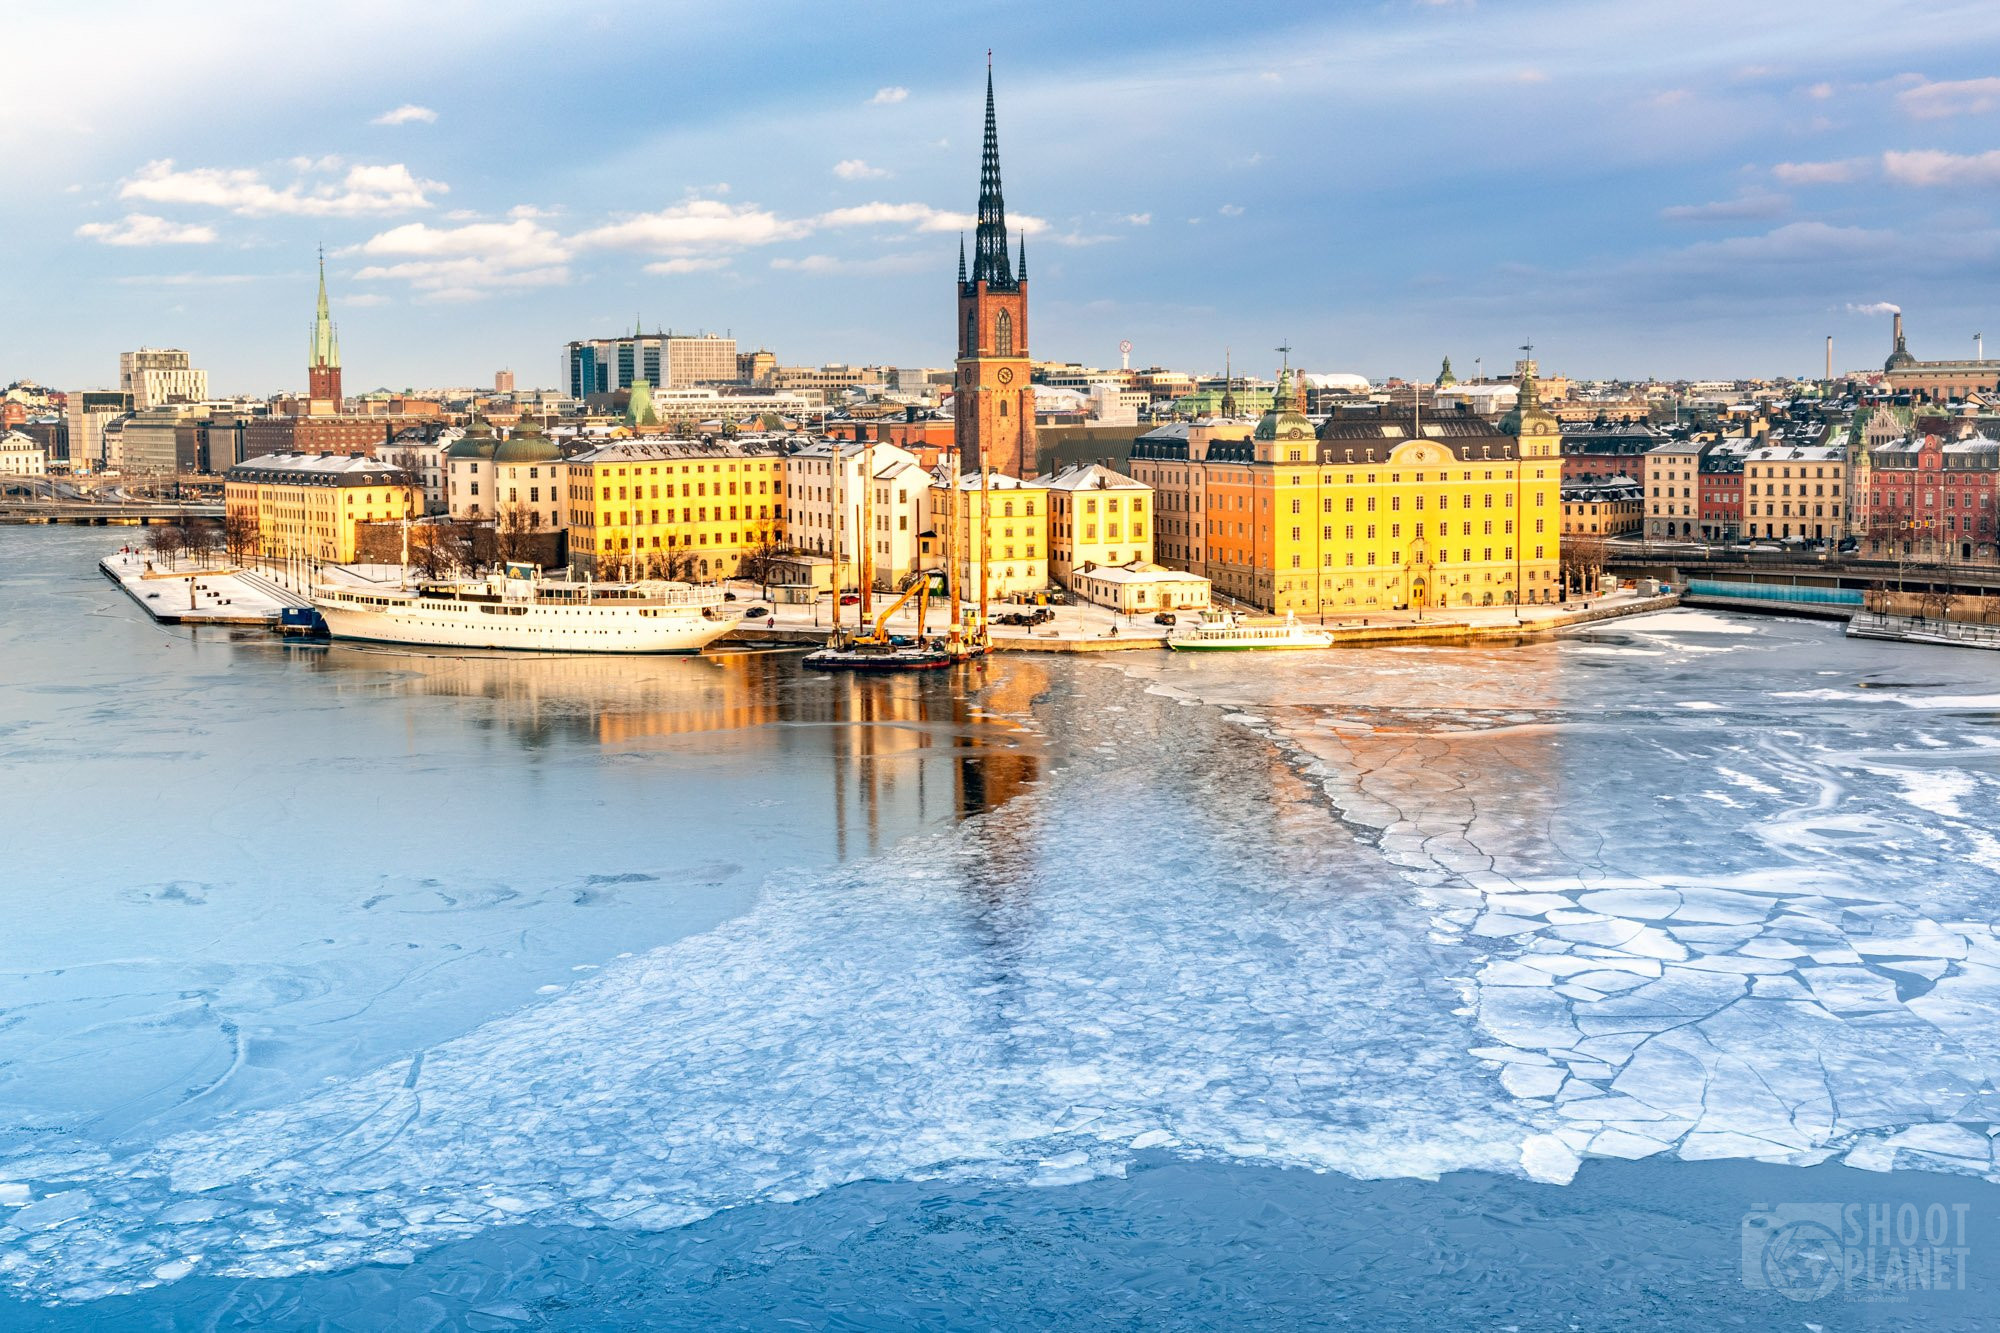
1006 375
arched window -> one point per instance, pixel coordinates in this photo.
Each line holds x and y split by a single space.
1003 334
971 332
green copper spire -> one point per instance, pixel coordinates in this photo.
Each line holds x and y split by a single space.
325 349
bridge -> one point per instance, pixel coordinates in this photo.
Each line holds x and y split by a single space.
103 513
1817 583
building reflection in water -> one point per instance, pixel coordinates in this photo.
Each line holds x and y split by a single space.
890 752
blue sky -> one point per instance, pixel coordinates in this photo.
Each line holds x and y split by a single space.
1677 189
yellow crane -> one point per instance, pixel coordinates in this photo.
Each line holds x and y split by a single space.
919 587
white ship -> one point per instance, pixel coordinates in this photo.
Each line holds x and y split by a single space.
521 610
1225 632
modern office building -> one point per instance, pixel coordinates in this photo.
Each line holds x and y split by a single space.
663 360
156 376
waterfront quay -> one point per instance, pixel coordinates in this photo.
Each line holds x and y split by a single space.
1088 628
227 594
199 594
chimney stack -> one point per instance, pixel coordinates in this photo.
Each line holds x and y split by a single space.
1899 328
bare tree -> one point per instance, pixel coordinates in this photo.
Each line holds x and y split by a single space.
680 565
240 534
757 565
202 540
164 541
1582 555
514 530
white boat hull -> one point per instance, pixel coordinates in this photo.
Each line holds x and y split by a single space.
534 628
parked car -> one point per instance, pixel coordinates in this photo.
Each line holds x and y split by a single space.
757 613
1164 618
728 596
850 599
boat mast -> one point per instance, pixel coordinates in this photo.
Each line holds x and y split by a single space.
839 505
867 563
985 539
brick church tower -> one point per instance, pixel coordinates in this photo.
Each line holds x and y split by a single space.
993 403
323 360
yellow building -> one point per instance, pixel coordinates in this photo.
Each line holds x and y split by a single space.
1376 509
672 508
308 506
1615 508
1016 534
1794 492
1097 518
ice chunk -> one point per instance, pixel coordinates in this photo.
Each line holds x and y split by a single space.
1546 1157
1640 904
1532 1080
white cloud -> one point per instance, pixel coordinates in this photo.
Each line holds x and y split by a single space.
854 169
1671 97
1961 97
407 114
875 264
1231 210
1139 219
458 263
1531 76
1729 210
461 279
1929 167
1819 92
921 216
694 226
1815 173
879 214
145 229
669 267
519 243
363 189
1795 243
888 96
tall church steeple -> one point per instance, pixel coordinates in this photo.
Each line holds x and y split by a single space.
989 246
993 402
323 357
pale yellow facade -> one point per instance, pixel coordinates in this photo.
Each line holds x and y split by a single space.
311 506
641 508
1368 511
1016 534
1097 518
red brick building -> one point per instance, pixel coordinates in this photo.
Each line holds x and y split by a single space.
1933 500
1719 495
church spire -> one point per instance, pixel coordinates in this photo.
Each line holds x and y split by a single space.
961 258
1228 386
1021 272
989 248
325 345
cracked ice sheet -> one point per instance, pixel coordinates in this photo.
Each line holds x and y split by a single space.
1026 997
1825 938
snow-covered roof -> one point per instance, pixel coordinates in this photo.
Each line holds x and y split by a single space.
1093 477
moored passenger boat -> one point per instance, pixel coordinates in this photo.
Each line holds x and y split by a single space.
1225 631
520 610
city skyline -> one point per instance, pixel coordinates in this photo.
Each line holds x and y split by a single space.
486 193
